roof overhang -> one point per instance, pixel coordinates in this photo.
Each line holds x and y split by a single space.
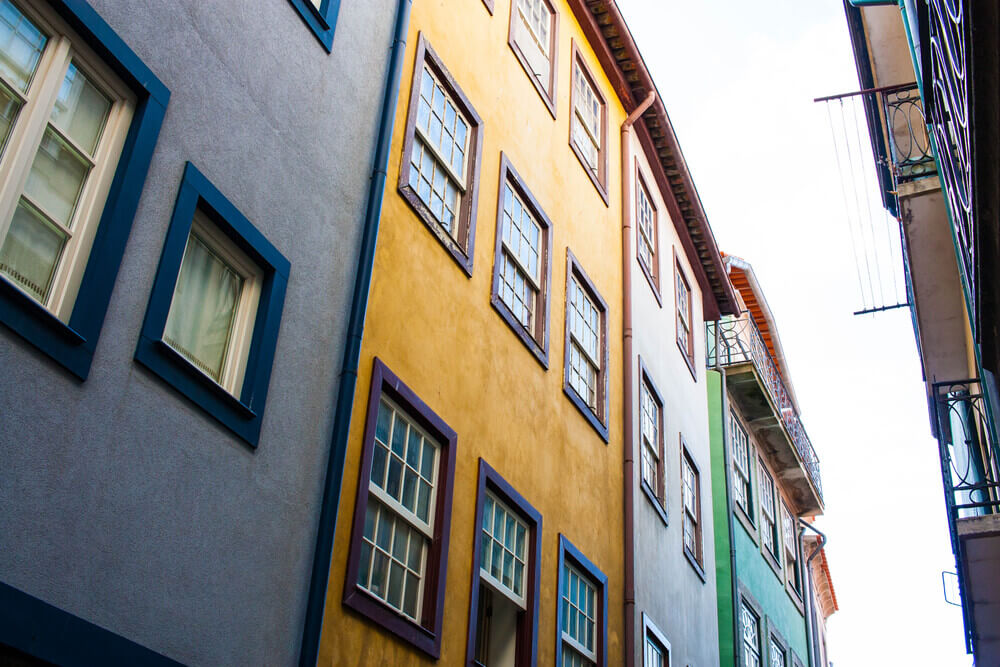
619 56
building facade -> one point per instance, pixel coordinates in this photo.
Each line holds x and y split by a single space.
181 199
928 72
765 478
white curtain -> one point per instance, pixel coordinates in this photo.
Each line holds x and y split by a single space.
30 252
203 308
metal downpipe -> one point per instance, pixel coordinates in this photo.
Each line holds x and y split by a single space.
627 371
814 660
329 505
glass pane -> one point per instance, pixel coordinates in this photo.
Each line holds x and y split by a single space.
378 465
200 321
399 437
21 45
382 425
399 544
364 564
423 500
410 600
409 489
56 177
80 110
416 551
31 251
9 106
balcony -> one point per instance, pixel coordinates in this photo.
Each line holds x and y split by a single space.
756 385
970 469
910 155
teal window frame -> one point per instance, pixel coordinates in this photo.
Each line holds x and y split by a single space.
242 414
72 344
321 21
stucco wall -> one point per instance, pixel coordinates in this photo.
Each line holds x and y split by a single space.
435 328
122 502
665 581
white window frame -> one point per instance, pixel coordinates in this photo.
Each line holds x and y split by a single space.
684 298
588 653
425 527
739 436
234 364
647 237
768 520
459 179
538 51
28 129
691 514
579 288
582 75
646 396
488 578
533 279
747 611
651 632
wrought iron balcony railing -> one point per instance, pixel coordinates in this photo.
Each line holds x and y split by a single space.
736 340
969 460
909 146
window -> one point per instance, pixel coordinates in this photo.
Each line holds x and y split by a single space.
586 347
398 556
521 263
218 294
691 500
588 134
503 619
647 242
582 610
740 442
76 135
321 17
777 654
768 526
533 32
685 339
441 156
656 648
793 573
750 632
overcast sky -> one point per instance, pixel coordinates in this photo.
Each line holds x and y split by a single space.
738 79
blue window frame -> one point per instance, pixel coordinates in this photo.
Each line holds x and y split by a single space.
320 17
576 614
241 413
72 344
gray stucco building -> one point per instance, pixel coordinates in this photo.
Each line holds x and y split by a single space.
176 511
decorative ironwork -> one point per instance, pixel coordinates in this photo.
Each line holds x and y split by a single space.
970 467
909 145
948 118
736 340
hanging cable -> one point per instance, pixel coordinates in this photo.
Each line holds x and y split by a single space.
866 187
847 212
857 202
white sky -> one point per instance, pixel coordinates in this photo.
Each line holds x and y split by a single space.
738 79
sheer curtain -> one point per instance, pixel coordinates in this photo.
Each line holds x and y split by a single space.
203 308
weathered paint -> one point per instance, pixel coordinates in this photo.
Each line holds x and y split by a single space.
122 502
664 579
435 328
720 515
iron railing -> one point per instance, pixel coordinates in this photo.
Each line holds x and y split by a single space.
909 145
970 466
736 340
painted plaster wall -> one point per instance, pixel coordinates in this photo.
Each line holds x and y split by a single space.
665 580
435 328
120 501
753 571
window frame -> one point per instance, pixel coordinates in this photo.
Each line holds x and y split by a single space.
696 560
658 496
242 413
775 638
652 273
461 247
796 567
746 516
600 179
568 553
774 560
598 420
547 93
425 636
322 20
687 354
527 638
72 344
745 598
649 629
536 341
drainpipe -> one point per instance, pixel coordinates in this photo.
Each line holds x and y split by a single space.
347 384
628 366
811 627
